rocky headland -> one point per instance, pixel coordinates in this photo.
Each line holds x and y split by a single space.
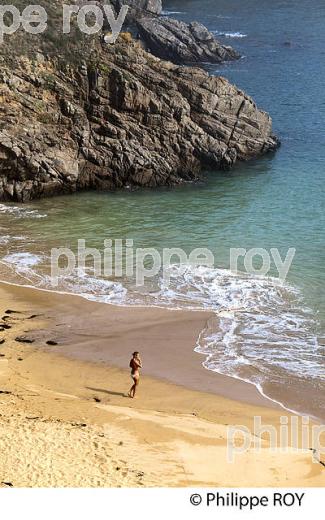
77 113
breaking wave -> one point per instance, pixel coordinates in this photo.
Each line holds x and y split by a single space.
230 34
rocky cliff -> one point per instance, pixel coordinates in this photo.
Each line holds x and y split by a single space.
181 42
93 116
171 39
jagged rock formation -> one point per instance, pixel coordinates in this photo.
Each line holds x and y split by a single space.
151 6
77 114
171 39
181 42
132 121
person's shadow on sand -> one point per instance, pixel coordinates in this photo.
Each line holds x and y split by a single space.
103 390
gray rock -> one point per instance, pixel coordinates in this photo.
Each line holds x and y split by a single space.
182 43
138 8
135 121
96 116
151 6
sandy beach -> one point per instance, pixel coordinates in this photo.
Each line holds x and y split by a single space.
66 421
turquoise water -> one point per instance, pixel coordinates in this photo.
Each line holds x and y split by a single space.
284 70
276 340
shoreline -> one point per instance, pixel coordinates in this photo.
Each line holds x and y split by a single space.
228 386
66 421
67 310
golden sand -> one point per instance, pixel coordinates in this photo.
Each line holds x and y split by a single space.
67 421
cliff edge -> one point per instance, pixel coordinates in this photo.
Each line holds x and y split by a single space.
81 114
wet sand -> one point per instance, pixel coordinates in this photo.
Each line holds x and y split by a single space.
66 419
97 332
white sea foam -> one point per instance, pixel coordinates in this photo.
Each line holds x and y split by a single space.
258 322
20 211
78 282
230 34
22 260
7 239
91 288
165 12
24 265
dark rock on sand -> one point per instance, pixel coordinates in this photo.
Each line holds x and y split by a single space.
5 326
51 342
24 339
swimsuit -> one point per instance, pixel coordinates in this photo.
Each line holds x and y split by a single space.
135 375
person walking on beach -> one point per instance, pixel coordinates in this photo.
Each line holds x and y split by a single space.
135 365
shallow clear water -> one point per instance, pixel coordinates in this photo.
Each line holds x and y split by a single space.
276 338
